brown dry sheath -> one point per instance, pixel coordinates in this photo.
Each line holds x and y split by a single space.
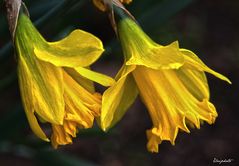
13 9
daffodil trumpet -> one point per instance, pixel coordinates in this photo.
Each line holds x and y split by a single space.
170 80
56 82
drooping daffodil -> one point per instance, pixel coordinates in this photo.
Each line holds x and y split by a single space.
170 80
55 80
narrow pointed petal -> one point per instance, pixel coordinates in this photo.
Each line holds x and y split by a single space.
78 49
24 83
96 77
159 57
118 98
35 125
192 61
84 82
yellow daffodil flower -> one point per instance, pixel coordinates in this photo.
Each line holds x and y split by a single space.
55 80
171 82
101 5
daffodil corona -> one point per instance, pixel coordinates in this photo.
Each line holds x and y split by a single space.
55 80
171 82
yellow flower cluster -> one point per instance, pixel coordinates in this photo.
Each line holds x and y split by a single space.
56 83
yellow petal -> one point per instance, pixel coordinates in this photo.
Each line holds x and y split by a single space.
192 62
153 141
139 49
46 80
35 125
84 82
78 49
70 127
62 134
195 81
158 57
96 77
59 136
118 98
170 101
81 105
47 92
25 83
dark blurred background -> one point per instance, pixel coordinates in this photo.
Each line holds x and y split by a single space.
210 28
